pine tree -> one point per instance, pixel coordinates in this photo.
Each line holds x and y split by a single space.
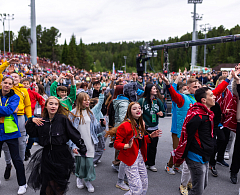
82 56
65 53
72 52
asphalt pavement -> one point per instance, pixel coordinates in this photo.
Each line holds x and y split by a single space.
160 182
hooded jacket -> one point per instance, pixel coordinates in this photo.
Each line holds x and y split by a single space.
12 104
24 103
120 106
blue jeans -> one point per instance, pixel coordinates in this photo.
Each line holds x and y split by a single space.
199 175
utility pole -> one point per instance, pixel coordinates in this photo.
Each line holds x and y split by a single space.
33 34
194 48
9 17
3 18
205 28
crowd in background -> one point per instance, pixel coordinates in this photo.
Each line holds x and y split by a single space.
107 104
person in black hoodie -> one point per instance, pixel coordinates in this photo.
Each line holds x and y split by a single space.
200 139
52 165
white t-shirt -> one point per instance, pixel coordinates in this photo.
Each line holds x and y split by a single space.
84 130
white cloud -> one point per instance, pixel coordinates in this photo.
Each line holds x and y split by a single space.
113 21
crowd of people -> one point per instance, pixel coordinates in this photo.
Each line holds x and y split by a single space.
71 113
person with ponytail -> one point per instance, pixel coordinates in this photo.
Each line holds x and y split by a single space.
132 143
86 123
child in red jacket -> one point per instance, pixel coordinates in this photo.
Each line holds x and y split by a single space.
132 143
34 96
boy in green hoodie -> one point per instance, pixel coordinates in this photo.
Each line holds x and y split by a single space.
61 91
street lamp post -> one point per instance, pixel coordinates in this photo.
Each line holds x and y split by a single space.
205 28
10 17
125 58
194 48
3 18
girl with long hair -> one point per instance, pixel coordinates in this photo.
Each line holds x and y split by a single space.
52 165
40 89
85 122
152 109
132 143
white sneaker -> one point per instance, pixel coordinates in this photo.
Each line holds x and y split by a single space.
22 189
95 165
153 168
89 186
226 155
80 184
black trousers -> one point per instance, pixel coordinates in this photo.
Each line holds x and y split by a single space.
152 151
236 153
17 161
212 161
222 141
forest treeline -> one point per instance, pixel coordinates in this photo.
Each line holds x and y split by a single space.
100 56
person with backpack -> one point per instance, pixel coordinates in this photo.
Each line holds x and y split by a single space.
152 108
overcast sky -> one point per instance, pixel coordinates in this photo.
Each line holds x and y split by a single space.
120 20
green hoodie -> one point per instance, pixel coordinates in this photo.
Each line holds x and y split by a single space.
147 115
67 101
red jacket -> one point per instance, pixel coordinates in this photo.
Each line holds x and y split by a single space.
34 98
129 156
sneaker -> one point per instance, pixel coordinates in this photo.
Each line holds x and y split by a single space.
233 178
22 189
223 163
152 168
7 173
110 144
226 156
116 168
169 170
178 169
122 186
189 185
95 165
89 186
183 190
213 171
80 184
99 161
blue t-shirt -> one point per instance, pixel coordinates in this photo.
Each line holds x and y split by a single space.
195 157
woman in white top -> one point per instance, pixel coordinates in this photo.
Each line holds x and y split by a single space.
84 121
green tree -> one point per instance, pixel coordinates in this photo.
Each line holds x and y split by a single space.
97 66
22 42
82 56
64 58
49 48
72 52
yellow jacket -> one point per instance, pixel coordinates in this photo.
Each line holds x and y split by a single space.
24 103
